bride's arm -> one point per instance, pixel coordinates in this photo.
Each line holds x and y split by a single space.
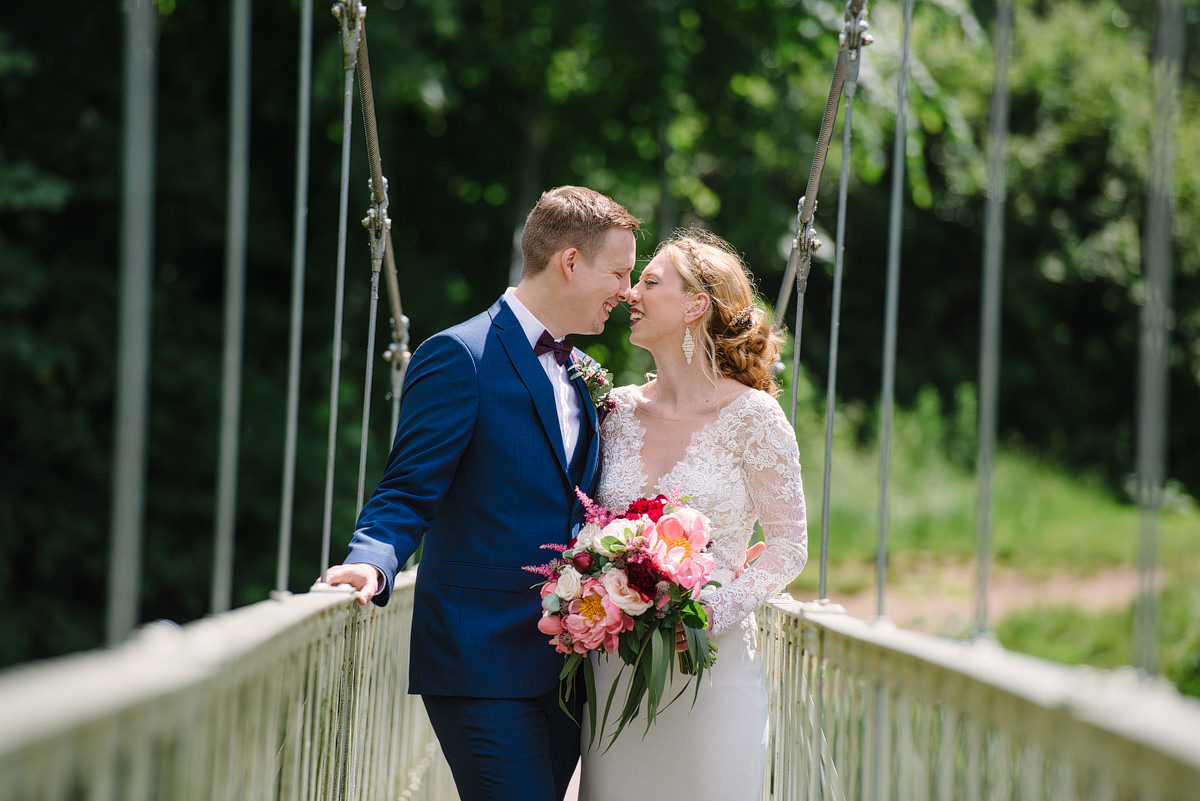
771 467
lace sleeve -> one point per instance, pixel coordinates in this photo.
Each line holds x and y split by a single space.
771 470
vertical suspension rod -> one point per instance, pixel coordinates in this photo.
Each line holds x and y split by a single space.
235 290
350 15
895 222
133 354
989 339
835 316
299 239
1155 324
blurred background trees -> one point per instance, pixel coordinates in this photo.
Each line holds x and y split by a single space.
697 112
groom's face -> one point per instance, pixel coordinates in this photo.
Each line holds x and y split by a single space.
600 282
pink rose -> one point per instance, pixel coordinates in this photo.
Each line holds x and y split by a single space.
550 625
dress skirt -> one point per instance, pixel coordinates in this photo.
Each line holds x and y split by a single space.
714 750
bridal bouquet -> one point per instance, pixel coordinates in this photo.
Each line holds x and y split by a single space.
622 587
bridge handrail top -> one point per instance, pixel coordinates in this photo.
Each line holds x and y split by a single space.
1124 702
49 697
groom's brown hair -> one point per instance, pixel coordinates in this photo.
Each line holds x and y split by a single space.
569 216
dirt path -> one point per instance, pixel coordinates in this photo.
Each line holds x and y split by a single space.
939 598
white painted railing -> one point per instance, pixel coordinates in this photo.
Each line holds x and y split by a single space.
272 701
265 702
911 716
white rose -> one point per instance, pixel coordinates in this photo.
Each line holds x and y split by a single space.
569 585
626 598
624 530
587 535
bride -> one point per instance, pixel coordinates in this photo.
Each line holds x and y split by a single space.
707 425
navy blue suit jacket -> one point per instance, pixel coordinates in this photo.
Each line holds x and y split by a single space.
477 469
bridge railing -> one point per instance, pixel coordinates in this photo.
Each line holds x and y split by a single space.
894 714
269 701
303 697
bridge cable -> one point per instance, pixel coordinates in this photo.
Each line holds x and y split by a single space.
235 302
1155 323
896 213
299 231
350 15
378 226
856 25
989 338
805 243
133 354
851 40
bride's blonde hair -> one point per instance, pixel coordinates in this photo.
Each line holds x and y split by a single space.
735 333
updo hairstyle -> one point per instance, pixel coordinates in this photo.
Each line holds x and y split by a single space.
735 334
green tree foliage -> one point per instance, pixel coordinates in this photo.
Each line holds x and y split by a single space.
696 112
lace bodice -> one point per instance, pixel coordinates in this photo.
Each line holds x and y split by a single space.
741 467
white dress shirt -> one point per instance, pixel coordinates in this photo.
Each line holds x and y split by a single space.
566 398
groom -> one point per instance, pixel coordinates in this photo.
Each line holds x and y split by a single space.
494 435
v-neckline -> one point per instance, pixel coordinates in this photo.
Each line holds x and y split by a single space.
640 444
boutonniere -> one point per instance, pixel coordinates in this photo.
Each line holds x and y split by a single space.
598 382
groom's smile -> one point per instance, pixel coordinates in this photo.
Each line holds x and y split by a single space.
603 279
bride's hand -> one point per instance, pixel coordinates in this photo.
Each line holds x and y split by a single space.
752 553
681 643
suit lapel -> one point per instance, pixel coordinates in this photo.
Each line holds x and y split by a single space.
529 370
591 430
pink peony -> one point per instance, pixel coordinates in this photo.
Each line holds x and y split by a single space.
594 621
678 547
550 624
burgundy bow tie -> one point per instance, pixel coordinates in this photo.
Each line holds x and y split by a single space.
561 350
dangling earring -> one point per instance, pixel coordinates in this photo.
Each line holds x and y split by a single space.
689 344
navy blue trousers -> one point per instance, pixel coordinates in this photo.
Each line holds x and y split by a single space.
506 749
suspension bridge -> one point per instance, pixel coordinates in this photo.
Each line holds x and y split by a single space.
302 696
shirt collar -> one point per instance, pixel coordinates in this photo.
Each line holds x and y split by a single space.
530 324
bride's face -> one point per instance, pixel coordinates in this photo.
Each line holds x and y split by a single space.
656 305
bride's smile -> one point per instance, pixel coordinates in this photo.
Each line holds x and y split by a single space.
656 306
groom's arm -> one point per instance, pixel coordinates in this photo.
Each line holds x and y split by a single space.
438 408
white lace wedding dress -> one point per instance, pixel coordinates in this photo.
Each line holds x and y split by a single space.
739 468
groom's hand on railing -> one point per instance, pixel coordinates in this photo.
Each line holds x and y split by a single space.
363 578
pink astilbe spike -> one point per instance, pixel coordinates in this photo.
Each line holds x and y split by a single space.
548 570
594 512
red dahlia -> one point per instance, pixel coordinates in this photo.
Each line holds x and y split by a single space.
643 575
651 508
